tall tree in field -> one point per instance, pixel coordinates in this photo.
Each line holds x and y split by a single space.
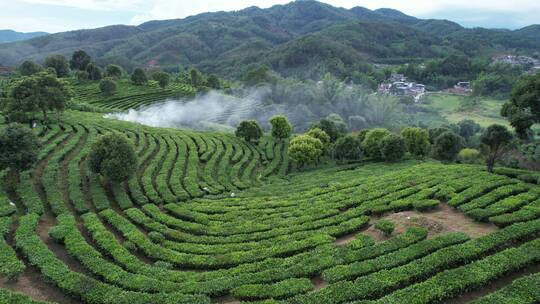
19 148
523 109
281 128
42 92
496 141
113 70
59 63
80 60
249 130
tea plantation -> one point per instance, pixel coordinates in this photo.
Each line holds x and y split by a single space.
209 218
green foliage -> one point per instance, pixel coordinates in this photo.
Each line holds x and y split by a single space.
107 86
305 150
436 132
281 128
496 140
469 156
322 136
257 75
162 78
19 148
468 128
196 78
385 226
113 156
114 71
59 63
348 147
249 130
94 72
447 146
29 68
213 82
426 205
82 76
332 128
41 92
80 60
523 109
393 148
372 142
139 77
416 141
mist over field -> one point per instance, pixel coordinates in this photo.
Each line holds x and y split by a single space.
209 111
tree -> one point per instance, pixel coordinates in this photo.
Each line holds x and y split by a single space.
436 132
468 128
113 156
371 143
331 127
196 78
447 146
42 92
305 150
322 136
82 76
496 141
80 60
281 128
139 77
29 68
59 63
416 141
19 148
469 156
523 109
213 82
249 130
257 75
107 86
392 148
94 72
162 78
348 148
113 70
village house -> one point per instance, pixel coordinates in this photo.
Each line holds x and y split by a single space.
398 85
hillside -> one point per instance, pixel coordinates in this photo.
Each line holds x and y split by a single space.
211 219
227 42
13 36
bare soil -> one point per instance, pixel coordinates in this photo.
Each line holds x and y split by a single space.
443 219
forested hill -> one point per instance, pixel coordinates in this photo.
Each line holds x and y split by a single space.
227 43
13 36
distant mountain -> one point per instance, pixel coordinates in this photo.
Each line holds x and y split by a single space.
306 37
13 36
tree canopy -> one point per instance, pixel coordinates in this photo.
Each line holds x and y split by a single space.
281 128
249 130
113 156
496 140
19 148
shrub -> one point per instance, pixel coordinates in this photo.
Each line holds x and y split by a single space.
385 226
447 146
348 148
469 156
59 63
305 150
82 76
249 130
281 128
371 143
392 148
113 156
107 86
425 205
416 141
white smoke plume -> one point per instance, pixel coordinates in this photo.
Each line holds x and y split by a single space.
211 111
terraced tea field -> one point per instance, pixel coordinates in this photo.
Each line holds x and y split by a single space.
129 96
211 219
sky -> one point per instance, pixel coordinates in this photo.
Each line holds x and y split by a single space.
64 15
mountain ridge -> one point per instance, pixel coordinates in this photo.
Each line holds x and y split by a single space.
228 42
